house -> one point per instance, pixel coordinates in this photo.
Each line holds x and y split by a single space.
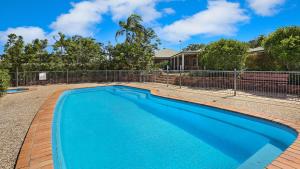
163 55
186 60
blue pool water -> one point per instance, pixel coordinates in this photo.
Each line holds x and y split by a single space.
120 127
18 90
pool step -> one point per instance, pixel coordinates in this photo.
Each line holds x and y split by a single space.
262 157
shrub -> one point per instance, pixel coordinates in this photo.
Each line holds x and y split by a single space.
4 81
259 62
283 46
224 55
162 65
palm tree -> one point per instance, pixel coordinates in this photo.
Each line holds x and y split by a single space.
60 44
132 28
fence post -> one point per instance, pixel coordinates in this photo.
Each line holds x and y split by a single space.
17 78
167 75
24 78
180 75
106 75
67 76
140 76
235 81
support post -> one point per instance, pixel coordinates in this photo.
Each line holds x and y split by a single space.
24 78
106 75
197 62
180 76
67 76
140 76
174 63
17 77
178 64
235 81
182 62
167 75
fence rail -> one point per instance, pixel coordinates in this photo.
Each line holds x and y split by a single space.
284 85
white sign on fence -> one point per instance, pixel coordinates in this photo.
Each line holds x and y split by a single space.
42 76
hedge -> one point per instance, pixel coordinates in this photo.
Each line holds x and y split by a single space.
4 81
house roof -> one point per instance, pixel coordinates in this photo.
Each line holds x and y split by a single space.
165 53
258 49
188 52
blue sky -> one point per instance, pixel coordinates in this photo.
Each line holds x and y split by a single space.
191 21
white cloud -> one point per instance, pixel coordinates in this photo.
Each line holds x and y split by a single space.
123 8
28 33
81 18
84 15
220 18
265 7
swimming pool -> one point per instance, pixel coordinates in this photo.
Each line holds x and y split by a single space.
122 127
17 90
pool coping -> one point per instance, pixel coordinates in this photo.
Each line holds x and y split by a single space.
36 151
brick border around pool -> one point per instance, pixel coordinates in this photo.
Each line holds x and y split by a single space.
36 151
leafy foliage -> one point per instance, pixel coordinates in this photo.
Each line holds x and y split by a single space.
36 52
4 81
14 52
137 51
283 46
162 65
259 62
194 47
224 55
79 51
132 28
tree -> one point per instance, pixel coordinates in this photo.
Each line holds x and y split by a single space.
224 55
194 47
162 65
132 28
137 51
60 45
36 52
259 62
80 53
4 81
283 46
14 52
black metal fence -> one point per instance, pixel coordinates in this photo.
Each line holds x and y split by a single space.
284 85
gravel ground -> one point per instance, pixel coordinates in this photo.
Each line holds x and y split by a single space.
18 110
16 113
